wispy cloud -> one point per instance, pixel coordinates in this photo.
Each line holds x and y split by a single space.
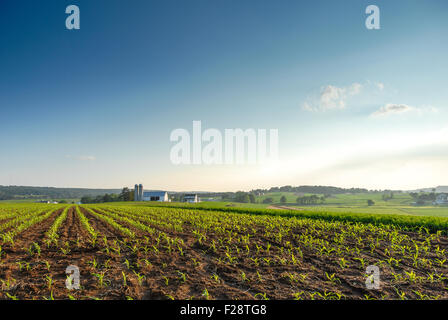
380 85
392 108
82 157
332 97
396 109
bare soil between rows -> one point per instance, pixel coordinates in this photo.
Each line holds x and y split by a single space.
111 268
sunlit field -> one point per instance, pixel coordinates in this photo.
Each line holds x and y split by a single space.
126 251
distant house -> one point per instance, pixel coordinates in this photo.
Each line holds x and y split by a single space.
191 198
161 196
441 198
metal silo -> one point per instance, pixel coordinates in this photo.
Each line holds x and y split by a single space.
136 193
140 192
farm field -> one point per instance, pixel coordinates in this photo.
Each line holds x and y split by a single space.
128 251
401 204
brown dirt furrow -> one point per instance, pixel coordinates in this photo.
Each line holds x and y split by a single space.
72 229
35 233
221 263
138 232
2 221
100 226
15 256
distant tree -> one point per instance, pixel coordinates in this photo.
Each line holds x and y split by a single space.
251 198
226 196
125 194
99 199
283 199
268 200
421 197
313 199
414 195
62 201
388 196
241 196
86 199
370 202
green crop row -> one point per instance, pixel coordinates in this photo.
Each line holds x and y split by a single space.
112 222
412 223
9 236
86 224
52 233
130 219
20 217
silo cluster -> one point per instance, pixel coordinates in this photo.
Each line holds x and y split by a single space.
138 192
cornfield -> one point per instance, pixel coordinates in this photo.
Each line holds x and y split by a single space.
144 252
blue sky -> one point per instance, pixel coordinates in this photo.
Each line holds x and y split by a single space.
95 107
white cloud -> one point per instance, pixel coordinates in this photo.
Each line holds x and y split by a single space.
332 97
392 108
355 89
380 86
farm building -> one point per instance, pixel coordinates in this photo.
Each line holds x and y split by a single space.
442 198
141 195
155 196
191 198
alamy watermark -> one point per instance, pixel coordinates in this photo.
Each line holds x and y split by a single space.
235 146
373 277
73 21
373 20
73 278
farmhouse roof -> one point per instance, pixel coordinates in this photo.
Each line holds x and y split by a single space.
154 193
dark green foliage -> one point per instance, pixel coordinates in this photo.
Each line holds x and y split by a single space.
21 192
313 199
312 189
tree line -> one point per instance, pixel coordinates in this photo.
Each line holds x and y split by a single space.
422 197
313 199
124 195
311 189
24 192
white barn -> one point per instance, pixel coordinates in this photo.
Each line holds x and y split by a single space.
161 196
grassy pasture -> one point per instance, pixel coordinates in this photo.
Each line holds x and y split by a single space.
400 204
